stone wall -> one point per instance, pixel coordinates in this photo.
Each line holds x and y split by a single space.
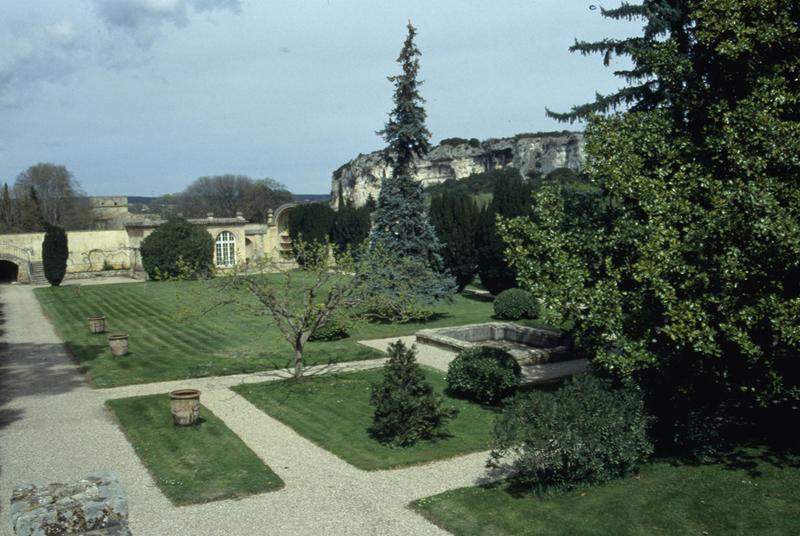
89 251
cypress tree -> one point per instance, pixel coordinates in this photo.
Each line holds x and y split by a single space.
311 222
350 227
511 198
455 217
55 252
401 225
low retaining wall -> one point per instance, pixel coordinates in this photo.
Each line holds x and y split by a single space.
530 346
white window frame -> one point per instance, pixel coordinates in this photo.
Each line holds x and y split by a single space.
225 250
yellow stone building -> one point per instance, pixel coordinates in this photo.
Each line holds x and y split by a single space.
116 251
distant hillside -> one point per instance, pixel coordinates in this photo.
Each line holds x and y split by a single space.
311 198
299 198
458 158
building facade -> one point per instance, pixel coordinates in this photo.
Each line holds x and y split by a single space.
116 251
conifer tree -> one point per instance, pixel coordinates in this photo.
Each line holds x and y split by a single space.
511 198
406 408
6 210
29 214
55 252
350 227
455 217
401 225
646 90
688 279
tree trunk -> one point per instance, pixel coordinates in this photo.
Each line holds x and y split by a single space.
298 362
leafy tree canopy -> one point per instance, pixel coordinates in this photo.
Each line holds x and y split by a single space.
684 274
58 196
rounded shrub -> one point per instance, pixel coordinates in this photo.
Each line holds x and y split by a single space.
177 249
587 432
483 373
334 328
514 304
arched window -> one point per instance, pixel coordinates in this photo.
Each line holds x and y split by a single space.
226 249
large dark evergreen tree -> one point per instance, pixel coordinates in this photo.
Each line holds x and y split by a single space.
350 227
644 89
55 252
511 198
455 217
401 225
689 282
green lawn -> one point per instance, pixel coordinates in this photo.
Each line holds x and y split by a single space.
171 338
200 463
748 496
334 412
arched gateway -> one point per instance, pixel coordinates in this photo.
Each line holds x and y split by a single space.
14 264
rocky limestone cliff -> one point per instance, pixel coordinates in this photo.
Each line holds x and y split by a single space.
458 158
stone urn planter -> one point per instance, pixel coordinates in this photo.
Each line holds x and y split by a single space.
119 344
97 324
185 406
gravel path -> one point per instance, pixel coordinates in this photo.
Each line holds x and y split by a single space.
53 427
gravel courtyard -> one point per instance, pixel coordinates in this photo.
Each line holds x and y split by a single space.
54 428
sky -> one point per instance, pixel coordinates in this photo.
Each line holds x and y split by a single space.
141 97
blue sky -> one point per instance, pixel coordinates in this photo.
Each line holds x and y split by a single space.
140 97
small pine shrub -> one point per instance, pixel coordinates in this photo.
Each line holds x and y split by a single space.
514 304
484 374
336 327
585 433
55 252
406 408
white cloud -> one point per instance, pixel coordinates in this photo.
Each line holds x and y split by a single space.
143 20
35 54
119 34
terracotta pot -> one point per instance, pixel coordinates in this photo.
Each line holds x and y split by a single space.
97 324
185 406
119 344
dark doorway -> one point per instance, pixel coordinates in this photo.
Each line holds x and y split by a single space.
8 272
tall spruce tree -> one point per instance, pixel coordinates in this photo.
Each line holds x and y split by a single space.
400 223
455 217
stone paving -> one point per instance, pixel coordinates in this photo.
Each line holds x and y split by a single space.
53 427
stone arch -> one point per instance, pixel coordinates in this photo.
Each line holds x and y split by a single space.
282 217
22 272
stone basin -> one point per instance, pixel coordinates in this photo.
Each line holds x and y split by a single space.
529 346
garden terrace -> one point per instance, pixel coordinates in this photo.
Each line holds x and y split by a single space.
177 330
